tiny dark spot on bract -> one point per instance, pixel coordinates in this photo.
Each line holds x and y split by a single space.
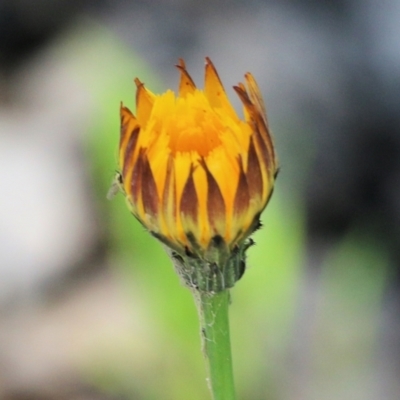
188 252
217 240
235 250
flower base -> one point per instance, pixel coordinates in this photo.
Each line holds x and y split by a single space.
214 272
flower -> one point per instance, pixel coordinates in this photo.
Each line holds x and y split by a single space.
195 174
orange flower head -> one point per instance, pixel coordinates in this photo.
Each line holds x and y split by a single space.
195 174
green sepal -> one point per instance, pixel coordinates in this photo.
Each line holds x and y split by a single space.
215 270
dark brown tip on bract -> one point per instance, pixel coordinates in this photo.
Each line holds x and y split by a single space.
244 97
253 173
189 204
267 158
149 189
242 197
126 116
216 208
138 82
136 179
181 63
130 150
208 60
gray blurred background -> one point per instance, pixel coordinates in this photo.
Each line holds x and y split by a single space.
90 307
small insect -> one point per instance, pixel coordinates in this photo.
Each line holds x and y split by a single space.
116 186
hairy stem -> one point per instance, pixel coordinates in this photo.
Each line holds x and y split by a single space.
214 321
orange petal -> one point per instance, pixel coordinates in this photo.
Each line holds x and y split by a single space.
144 103
186 84
215 91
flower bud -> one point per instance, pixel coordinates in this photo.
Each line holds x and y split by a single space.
196 175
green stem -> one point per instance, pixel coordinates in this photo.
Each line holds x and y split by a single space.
214 320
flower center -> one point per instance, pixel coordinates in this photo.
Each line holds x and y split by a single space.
195 132
192 125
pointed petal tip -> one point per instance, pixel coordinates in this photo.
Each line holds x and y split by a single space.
211 70
138 82
243 96
215 91
186 84
240 89
255 95
210 65
181 63
125 112
237 88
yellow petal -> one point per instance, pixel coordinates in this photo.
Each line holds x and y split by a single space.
225 169
144 103
215 92
186 84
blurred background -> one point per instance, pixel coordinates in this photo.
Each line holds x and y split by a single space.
90 307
